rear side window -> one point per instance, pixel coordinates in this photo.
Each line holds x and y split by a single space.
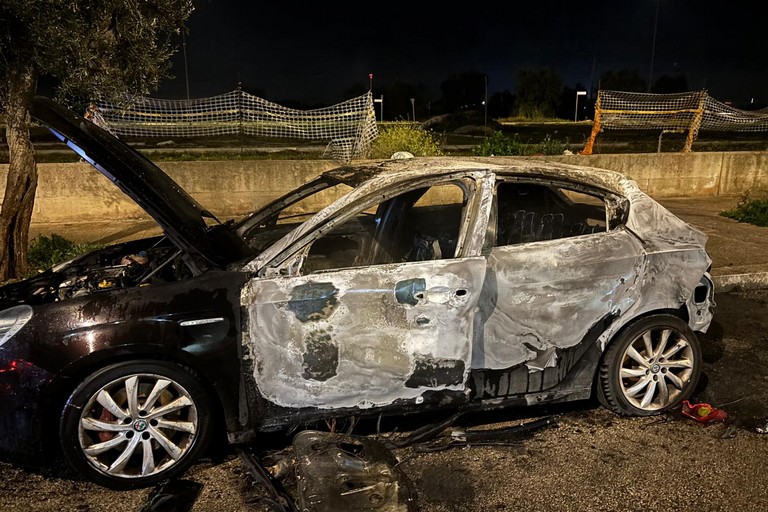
532 212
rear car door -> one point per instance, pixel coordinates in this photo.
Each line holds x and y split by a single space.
561 265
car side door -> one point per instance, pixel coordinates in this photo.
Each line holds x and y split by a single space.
382 309
560 265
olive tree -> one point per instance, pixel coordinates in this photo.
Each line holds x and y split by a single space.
538 92
89 50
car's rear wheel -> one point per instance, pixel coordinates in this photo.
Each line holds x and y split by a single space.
135 423
652 366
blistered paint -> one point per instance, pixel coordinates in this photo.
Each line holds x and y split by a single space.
313 301
546 295
370 348
342 472
410 290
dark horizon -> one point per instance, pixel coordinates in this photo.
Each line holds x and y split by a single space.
316 54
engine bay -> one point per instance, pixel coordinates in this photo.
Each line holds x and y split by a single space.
138 263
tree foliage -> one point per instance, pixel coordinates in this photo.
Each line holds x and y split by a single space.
623 80
97 49
89 50
538 92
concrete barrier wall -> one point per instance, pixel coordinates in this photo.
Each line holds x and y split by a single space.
76 192
686 174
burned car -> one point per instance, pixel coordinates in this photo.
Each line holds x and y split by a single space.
378 288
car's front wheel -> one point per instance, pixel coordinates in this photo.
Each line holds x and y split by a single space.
651 367
135 423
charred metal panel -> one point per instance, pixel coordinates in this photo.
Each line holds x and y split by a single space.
550 378
518 380
322 356
337 472
676 262
572 376
535 382
431 373
371 347
542 297
313 301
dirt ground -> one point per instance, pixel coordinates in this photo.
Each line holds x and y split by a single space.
588 459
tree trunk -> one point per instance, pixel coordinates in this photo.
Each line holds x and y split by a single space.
21 184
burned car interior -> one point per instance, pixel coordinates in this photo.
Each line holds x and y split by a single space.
422 224
531 212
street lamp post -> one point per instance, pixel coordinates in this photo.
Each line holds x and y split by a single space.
653 45
485 103
576 114
186 72
380 100
413 108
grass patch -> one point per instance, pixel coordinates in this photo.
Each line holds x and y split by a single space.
753 211
500 144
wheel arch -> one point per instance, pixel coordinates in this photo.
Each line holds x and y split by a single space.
64 384
615 332
617 337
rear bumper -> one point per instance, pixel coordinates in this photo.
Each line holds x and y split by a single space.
701 304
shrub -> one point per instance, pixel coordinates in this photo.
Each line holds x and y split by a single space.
753 211
550 146
47 251
499 144
404 137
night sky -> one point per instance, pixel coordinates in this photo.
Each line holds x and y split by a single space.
316 53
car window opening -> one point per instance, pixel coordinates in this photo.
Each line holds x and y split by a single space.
529 212
418 225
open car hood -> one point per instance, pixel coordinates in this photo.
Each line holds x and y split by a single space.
180 216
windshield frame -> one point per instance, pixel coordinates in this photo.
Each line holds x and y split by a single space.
248 227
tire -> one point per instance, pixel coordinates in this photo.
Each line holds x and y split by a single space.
650 367
120 445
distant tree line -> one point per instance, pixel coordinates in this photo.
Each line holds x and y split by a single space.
539 93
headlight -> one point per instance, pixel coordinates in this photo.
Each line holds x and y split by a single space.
12 320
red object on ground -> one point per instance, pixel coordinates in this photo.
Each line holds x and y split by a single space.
703 413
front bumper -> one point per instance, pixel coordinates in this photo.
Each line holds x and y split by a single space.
22 410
